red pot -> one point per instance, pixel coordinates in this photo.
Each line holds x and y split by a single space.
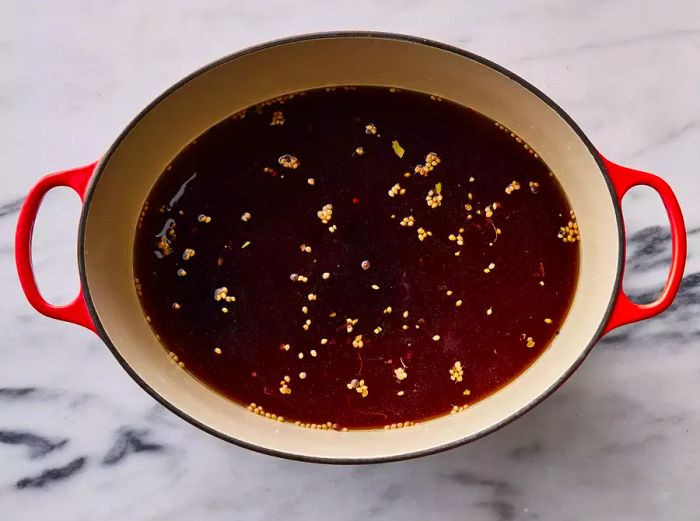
114 189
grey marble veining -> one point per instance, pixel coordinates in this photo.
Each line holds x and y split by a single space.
80 441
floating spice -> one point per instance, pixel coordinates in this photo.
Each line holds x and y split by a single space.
396 190
456 372
284 386
569 232
164 247
277 118
359 386
289 161
400 374
431 161
325 213
274 306
423 233
512 187
433 199
398 149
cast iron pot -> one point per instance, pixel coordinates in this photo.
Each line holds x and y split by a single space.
114 189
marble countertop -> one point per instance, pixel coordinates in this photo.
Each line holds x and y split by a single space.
79 440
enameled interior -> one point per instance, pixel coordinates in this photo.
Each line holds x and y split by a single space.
133 166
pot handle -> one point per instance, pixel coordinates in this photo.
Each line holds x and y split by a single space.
76 311
625 311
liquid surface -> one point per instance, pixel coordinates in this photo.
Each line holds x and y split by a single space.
356 257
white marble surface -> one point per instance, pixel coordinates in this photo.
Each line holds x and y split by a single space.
80 441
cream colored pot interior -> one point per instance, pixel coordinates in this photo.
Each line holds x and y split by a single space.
131 170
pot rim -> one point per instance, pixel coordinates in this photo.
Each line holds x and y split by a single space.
330 35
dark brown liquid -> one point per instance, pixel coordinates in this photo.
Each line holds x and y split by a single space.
495 323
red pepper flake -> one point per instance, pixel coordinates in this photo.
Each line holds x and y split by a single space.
355 200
